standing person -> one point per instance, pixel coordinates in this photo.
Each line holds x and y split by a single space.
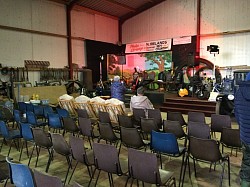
140 101
242 114
118 89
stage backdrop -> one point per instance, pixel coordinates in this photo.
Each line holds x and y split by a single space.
124 65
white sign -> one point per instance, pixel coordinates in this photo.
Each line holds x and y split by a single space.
182 40
151 46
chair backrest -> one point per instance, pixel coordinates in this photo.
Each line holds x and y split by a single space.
176 116
98 107
69 124
114 110
20 174
199 130
138 113
106 132
78 150
62 112
60 145
204 149
82 113
131 137
125 121
26 132
31 118
68 105
41 138
148 124
164 143
156 114
22 106
104 117
196 117
43 179
143 166
46 110
17 115
29 107
54 120
38 110
4 129
85 126
219 121
107 158
173 127
87 106
230 137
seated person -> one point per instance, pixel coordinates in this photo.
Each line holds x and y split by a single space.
140 101
118 89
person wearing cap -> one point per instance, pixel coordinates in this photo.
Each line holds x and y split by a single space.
140 101
242 114
118 89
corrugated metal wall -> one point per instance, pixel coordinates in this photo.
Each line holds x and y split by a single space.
177 18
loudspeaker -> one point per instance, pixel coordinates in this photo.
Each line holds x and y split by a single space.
190 59
87 79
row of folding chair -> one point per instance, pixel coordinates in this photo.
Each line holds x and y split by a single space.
219 124
22 175
105 157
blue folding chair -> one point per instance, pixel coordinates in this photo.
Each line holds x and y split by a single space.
9 135
62 112
20 174
27 136
166 143
18 117
32 119
38 111
22 107
29 107
46 110
54 121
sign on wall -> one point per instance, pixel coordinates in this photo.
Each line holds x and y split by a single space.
151 46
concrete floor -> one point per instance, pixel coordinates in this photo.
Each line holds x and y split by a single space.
204 178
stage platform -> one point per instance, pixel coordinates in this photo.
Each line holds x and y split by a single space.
170 101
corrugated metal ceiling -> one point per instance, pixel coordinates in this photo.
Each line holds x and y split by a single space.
122 9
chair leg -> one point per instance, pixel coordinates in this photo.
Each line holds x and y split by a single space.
131 184
92 177
229 175
1 145
67 173
195 174
119 148
90 144
222 174
10 147
21 151
182 164
111 182
31 154
6 181
127 180
97 177
27 150
160 160
49 160
184 169
72 172
37 152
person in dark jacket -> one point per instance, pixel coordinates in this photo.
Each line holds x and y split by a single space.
242 114
118 89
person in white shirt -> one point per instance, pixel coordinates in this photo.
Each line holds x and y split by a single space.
140 101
